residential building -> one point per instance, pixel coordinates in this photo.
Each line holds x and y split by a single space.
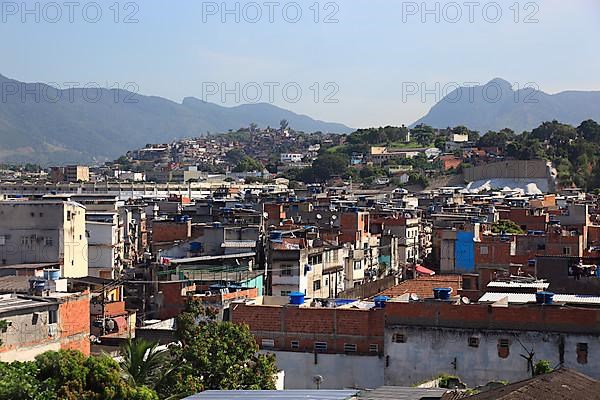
45 232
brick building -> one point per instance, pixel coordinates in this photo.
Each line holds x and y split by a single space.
40 324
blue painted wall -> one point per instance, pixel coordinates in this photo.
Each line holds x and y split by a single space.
464 252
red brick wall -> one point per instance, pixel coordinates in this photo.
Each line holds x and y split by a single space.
168 231
498 252
335 327
481 316
74 323
173 301
523 218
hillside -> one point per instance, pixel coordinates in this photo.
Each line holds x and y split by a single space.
44 125
495 106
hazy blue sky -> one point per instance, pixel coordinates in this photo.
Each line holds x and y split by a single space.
179 48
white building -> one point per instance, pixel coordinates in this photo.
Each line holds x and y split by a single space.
44 232
288 158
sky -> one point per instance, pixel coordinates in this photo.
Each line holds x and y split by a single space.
359 62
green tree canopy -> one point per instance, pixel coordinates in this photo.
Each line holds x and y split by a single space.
216 355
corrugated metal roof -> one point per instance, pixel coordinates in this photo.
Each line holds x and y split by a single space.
274 394
401 393
524 298
533 285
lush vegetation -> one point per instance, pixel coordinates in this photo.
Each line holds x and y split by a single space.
574 151
211 355
507 227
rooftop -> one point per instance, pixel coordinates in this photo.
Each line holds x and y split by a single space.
562 384
523 298
275 394
423 286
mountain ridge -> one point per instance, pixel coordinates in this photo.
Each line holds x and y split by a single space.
43 124
520 110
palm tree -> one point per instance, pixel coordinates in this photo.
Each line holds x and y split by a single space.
144 363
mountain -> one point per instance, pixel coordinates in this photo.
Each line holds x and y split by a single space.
496 105
42 124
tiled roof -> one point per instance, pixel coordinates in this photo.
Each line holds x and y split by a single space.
423 286
562 384
14 284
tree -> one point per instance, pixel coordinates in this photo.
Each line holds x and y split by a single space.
216 355
234 156
326 166
284 124
590 130
542 367
496 139
143 363
507 227
3 328
248 164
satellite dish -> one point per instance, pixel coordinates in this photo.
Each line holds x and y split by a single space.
466 300
333 217
414 297
265 215
317 380
319 216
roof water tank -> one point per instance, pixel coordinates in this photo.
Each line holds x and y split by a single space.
544 298
380 301
51 274
442 293
297 298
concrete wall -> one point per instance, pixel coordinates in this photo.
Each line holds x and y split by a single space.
339 371
512 169
39 232
429 352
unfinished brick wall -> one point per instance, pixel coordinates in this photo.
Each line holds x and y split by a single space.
74 323
298 329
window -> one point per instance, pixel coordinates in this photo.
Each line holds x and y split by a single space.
317 285
52 316
373 348
357 265
567 251
285 293
316 259
503 348
48 241
267 343
320 346
349 348
582 353
399 338
326 283
483 250
2 240
473 342
286 270
295 345
68 215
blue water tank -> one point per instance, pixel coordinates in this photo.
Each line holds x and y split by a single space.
442 293
51 274
297 298
544 298
195 247
275 235
380 301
